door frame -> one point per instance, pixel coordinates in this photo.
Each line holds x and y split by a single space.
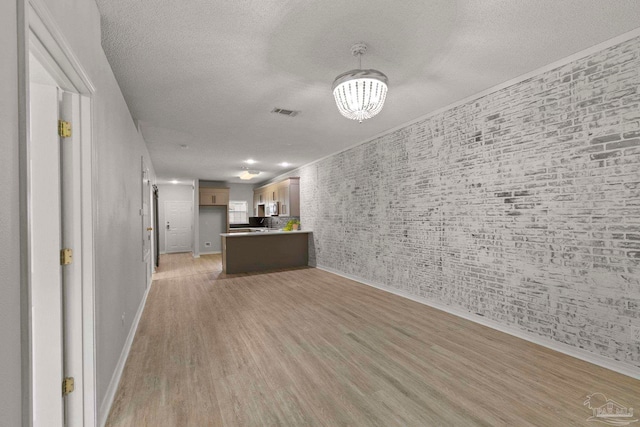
39 34
146 213
156 228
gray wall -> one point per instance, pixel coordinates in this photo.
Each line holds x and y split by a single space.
213 221
521 206
10 355
120 275
171 193
242 192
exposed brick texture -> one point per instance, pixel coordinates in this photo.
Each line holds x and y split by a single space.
522 206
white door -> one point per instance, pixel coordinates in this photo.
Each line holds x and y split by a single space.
178 226
45 243
70 158
56 289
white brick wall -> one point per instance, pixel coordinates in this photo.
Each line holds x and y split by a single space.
522 206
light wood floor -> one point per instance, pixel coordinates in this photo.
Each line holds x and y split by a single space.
306 347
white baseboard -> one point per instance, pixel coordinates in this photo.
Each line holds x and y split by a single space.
105 406
578 353
210 253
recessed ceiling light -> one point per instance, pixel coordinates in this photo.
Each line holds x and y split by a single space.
250 161
285 164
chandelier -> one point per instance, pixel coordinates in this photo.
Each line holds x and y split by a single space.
248 174
360 94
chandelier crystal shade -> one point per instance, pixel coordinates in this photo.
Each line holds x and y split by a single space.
360 94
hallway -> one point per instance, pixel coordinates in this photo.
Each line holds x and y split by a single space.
306 347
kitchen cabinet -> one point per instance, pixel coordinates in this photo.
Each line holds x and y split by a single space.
214 196
286 193
283 198
259 198
249 252
292 197
256 201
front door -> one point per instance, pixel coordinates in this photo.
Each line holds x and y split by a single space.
178 226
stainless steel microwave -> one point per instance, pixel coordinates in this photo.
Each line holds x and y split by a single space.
274 208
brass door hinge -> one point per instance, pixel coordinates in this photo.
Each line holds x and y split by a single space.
64 129
67 386
66 256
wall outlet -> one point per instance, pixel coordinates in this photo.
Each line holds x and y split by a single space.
207 244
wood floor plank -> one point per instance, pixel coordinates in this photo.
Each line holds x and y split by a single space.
307 348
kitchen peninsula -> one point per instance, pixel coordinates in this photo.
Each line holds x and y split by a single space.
264 250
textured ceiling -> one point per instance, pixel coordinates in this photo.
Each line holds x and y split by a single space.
207 74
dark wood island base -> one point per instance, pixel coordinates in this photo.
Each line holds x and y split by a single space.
263 251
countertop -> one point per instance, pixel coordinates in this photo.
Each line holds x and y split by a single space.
263 233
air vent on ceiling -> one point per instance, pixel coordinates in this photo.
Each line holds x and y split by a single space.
284 112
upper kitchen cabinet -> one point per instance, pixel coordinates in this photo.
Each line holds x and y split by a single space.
283 198
214 196
289 197
259 202
286 193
